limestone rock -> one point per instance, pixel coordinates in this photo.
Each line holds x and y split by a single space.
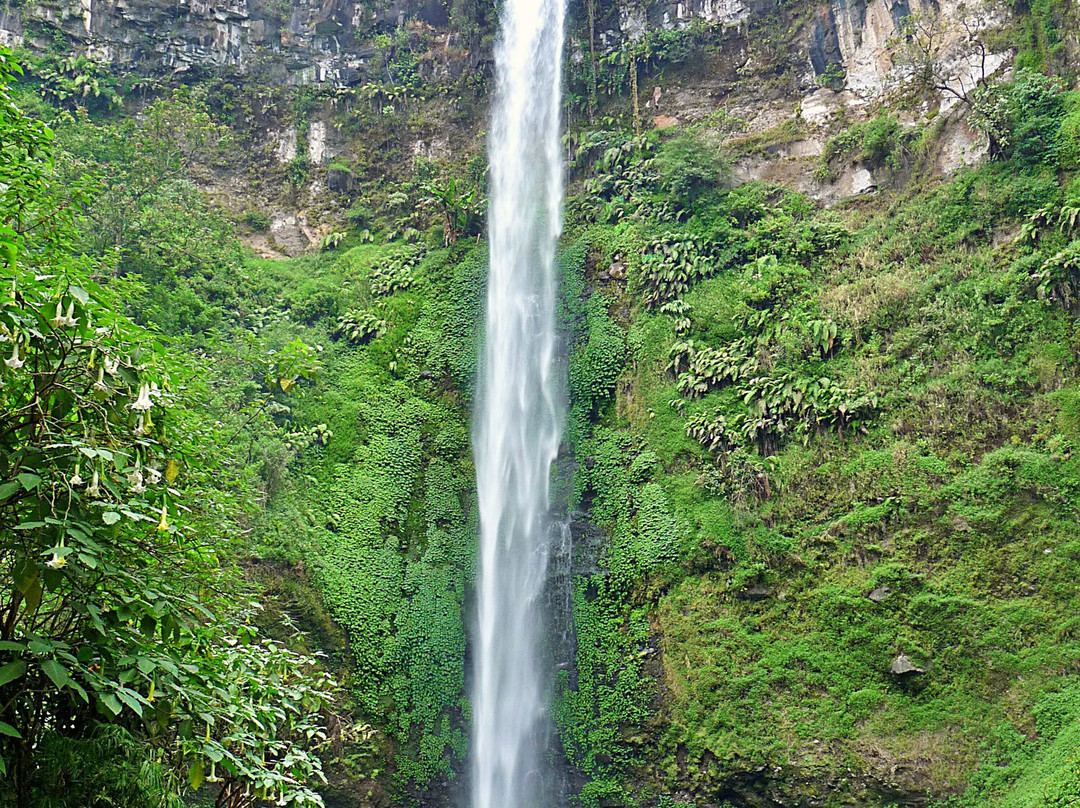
902 666
880 594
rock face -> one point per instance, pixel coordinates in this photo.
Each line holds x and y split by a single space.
279 41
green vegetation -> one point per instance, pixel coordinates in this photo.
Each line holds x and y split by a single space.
121 650
817 407
237 498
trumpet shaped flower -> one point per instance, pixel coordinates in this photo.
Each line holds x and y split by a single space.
94 489
142 403
14 362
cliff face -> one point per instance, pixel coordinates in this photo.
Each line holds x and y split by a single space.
276 42
810 66
292 43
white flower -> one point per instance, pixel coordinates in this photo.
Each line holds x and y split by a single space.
94 489
69 320
142 403
135 480
140 426
75 478
56 562
58 320
111 365
100 383
153 476
14 362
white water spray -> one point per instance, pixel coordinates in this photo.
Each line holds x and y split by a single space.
517 427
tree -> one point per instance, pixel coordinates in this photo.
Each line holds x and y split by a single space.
117 611
929 42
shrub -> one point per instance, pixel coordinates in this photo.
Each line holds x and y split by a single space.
257 220
689 167
595 365
1069 141
359 215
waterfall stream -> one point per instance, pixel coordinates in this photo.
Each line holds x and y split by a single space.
517 427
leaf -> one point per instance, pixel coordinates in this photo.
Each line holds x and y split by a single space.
57 672
128 697
32 595
12 671
171 472
10 731
110 517
196 774
80 690
112 704
79 294
29 480
9 489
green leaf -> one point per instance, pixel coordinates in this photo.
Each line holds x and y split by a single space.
196 774
10 731
9 489
12 671
57 672
29 480
79 294
32 594
110 517
130 700
112 704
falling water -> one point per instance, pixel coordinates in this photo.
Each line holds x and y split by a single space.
517 427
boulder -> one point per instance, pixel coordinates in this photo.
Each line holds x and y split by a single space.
880 594
902 666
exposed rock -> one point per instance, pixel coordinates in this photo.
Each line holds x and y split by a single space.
755 592
880 594
862 182
286 145
317 148
339 180
902 666
284 45
665 121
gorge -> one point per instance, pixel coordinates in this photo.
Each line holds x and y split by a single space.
617 405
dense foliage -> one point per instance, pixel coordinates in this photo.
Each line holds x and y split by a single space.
803 444
119 628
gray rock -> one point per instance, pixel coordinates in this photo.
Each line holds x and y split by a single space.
902 666
756 592
880 594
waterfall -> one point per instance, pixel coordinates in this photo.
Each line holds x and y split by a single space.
520 408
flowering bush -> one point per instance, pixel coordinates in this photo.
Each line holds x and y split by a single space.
114 614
